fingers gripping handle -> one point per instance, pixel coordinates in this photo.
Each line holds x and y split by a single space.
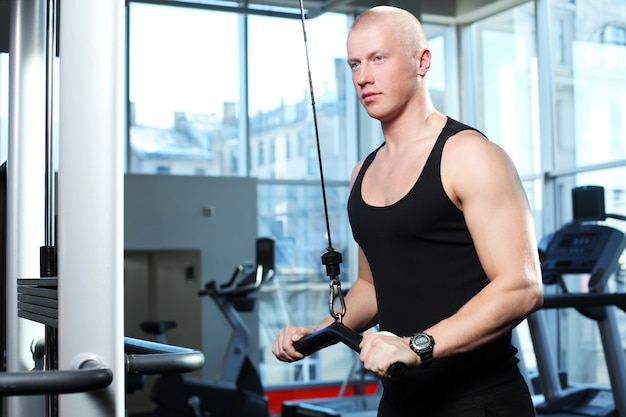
332 334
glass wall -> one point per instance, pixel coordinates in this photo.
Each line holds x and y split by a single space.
505 106
204 103
282 131
506 75
590 80
588 41
506 89
184 87
586 109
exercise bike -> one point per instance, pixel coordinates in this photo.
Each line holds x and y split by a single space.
238 391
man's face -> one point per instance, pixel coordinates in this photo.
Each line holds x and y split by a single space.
384 76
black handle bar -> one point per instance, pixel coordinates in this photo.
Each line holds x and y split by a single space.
332 334
90 376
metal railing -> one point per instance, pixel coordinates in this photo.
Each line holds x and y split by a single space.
142 358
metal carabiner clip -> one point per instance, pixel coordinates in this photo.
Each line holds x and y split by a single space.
335 291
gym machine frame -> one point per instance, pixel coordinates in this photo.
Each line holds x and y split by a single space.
38 301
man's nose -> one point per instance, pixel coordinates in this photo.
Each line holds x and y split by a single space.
363 76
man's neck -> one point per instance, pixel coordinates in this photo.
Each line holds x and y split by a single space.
422 122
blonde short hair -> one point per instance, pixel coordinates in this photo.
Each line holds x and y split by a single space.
408 27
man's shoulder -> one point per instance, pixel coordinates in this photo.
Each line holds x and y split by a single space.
459 127
470 146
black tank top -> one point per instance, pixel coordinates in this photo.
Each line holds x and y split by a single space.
425 267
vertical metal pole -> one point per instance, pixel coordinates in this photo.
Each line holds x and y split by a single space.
546 364
49 159
547 120
90 197
25 185
47 256
615 358
243 169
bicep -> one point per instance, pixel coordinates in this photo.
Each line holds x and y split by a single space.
497 214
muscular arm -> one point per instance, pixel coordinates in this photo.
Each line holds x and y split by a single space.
482 181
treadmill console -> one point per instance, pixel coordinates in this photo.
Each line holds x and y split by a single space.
577 249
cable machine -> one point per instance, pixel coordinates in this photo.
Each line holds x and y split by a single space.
80 303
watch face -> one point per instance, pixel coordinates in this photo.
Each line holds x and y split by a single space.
421 341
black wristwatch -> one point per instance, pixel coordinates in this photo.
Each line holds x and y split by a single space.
422 344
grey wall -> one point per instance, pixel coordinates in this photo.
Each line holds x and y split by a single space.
169 213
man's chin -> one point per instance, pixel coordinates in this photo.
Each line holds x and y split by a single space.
381 117
374 114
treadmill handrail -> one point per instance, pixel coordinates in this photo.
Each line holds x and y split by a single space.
151 358
91 376
575 300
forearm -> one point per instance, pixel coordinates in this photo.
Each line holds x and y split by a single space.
488 316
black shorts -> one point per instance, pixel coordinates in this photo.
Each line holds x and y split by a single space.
510 399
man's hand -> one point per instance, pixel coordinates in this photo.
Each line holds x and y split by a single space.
381 350
283 347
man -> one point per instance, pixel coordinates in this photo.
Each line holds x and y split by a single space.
448 260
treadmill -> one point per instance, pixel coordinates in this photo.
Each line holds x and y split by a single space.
583 247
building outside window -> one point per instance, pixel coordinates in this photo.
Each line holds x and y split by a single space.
183 90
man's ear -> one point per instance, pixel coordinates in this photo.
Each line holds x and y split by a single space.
424 57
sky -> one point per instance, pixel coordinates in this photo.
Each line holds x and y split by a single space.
188 60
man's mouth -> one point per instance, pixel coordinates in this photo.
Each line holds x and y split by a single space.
368 96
